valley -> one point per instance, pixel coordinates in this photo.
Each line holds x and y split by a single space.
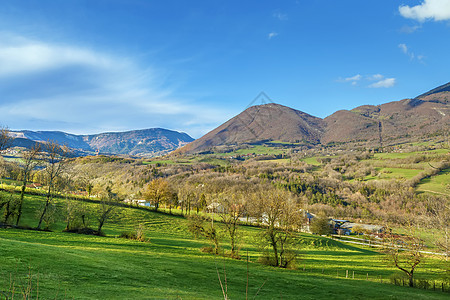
260 200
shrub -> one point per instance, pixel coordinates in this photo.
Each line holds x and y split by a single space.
398 279
138 235
128 235
84 230
290 260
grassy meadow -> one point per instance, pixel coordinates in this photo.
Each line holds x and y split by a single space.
437 184
170 264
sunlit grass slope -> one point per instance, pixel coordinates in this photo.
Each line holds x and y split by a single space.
170 265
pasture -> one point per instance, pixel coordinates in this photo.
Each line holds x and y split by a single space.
170 264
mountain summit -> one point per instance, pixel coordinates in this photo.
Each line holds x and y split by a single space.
380 125
262 123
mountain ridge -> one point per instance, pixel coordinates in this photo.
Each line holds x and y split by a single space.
427 114
143 142
256 124
378 125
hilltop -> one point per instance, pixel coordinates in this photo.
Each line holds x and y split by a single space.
262 123
376 126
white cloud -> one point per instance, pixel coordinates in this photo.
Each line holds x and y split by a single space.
21 56
437 10
280 16
381 81
406 51
357 77
272 35
375 77
410 29
353 79
404 48
45 86
384 83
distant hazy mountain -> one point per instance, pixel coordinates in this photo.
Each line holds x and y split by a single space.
427 114
147 142
268 122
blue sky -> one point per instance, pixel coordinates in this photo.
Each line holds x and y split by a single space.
115 65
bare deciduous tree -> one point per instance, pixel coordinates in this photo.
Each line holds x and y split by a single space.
281 215
55 162
232 208
404 252
29 162
5 139
9 205
198 228
106 209
439 216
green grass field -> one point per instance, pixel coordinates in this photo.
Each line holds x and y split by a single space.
312 161
436 184
397 155
171 266
394 173
258 150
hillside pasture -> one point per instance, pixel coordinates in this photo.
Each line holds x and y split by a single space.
170 264
439 183
394 173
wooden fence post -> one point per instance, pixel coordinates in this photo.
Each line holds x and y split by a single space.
367 278
346 274
353 275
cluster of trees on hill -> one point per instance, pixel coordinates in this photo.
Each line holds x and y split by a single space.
233 200
272 196
48 166
240 190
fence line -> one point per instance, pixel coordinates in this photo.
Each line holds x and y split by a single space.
383 245
349 274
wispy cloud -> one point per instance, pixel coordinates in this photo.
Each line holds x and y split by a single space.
280 16
406 51
410 29
404 48
380 80
23 56
64 87
272 35
437 10
374 77
353 79
384 83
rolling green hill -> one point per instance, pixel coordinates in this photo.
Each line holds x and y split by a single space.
171 266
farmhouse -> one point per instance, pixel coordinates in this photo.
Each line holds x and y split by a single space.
215 207
346 227
360 228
